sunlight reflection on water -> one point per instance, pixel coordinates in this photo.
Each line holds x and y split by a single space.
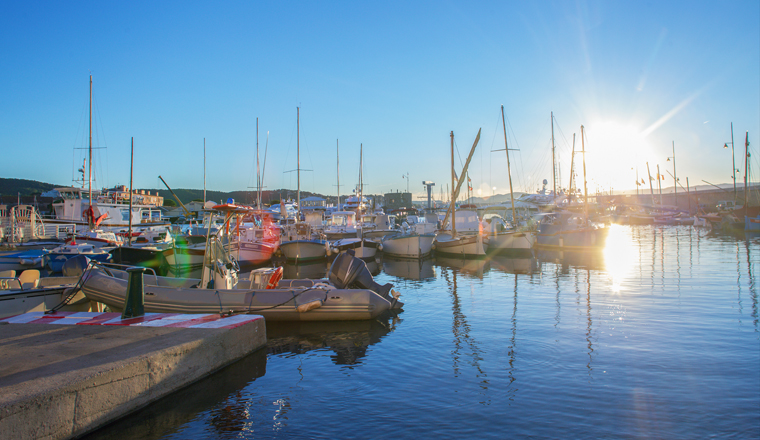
619 255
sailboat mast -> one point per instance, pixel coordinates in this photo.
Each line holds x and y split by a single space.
659 186
554 166
337 154
675 179
204 170
131 167
258 173
453 197
509 170
585 188
746 172
89 170
361 176
651 190
298 150
572 158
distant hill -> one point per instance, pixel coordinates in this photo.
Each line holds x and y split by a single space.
12 187
28 188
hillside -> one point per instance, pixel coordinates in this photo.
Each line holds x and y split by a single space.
12 187
28 188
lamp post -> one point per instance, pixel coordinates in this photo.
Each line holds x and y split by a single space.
733 160
675 179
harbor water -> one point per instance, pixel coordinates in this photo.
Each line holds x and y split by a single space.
655 337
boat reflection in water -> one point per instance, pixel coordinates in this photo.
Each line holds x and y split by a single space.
348 339
526 265
313 271
219 392
409 269
476 267
576 259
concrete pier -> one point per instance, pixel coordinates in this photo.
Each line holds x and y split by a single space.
66 374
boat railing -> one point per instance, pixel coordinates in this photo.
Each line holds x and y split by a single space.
59 231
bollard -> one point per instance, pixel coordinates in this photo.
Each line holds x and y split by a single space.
134 303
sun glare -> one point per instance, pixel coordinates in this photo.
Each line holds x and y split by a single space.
613 153
619 256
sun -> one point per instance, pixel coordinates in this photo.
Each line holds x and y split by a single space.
614 153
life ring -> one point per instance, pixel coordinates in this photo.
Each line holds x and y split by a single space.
275 278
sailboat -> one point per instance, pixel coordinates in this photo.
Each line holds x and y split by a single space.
362 247
91 209
470 241
503 236
570 230
302 245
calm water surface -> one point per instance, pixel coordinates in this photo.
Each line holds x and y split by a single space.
656 337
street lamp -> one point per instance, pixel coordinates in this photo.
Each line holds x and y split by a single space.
733 160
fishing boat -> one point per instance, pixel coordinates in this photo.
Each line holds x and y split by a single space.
342 225
376 226
504 236
109 208
54 260
470 243
408 244
361 247
303 243
349 292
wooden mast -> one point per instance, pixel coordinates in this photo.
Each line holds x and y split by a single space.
585 188
572 163
746 172
337 154
298 163
651 190
455 192
452 206
554 166
131 166
91 211
204 171
258 169
509 170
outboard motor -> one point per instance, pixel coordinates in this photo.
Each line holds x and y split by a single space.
348 272
75 266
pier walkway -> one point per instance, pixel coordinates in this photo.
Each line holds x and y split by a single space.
66 374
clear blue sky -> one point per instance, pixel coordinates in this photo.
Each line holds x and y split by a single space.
396 77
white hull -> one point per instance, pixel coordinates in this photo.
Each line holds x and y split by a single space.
302 250
408 246
364 249
182 295
507 241
461 245
252 253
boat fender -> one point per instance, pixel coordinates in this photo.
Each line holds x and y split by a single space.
275 278
433 247
380 247
311 305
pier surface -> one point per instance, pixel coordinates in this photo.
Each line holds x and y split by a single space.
66 374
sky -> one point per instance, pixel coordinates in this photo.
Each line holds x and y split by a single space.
647 79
